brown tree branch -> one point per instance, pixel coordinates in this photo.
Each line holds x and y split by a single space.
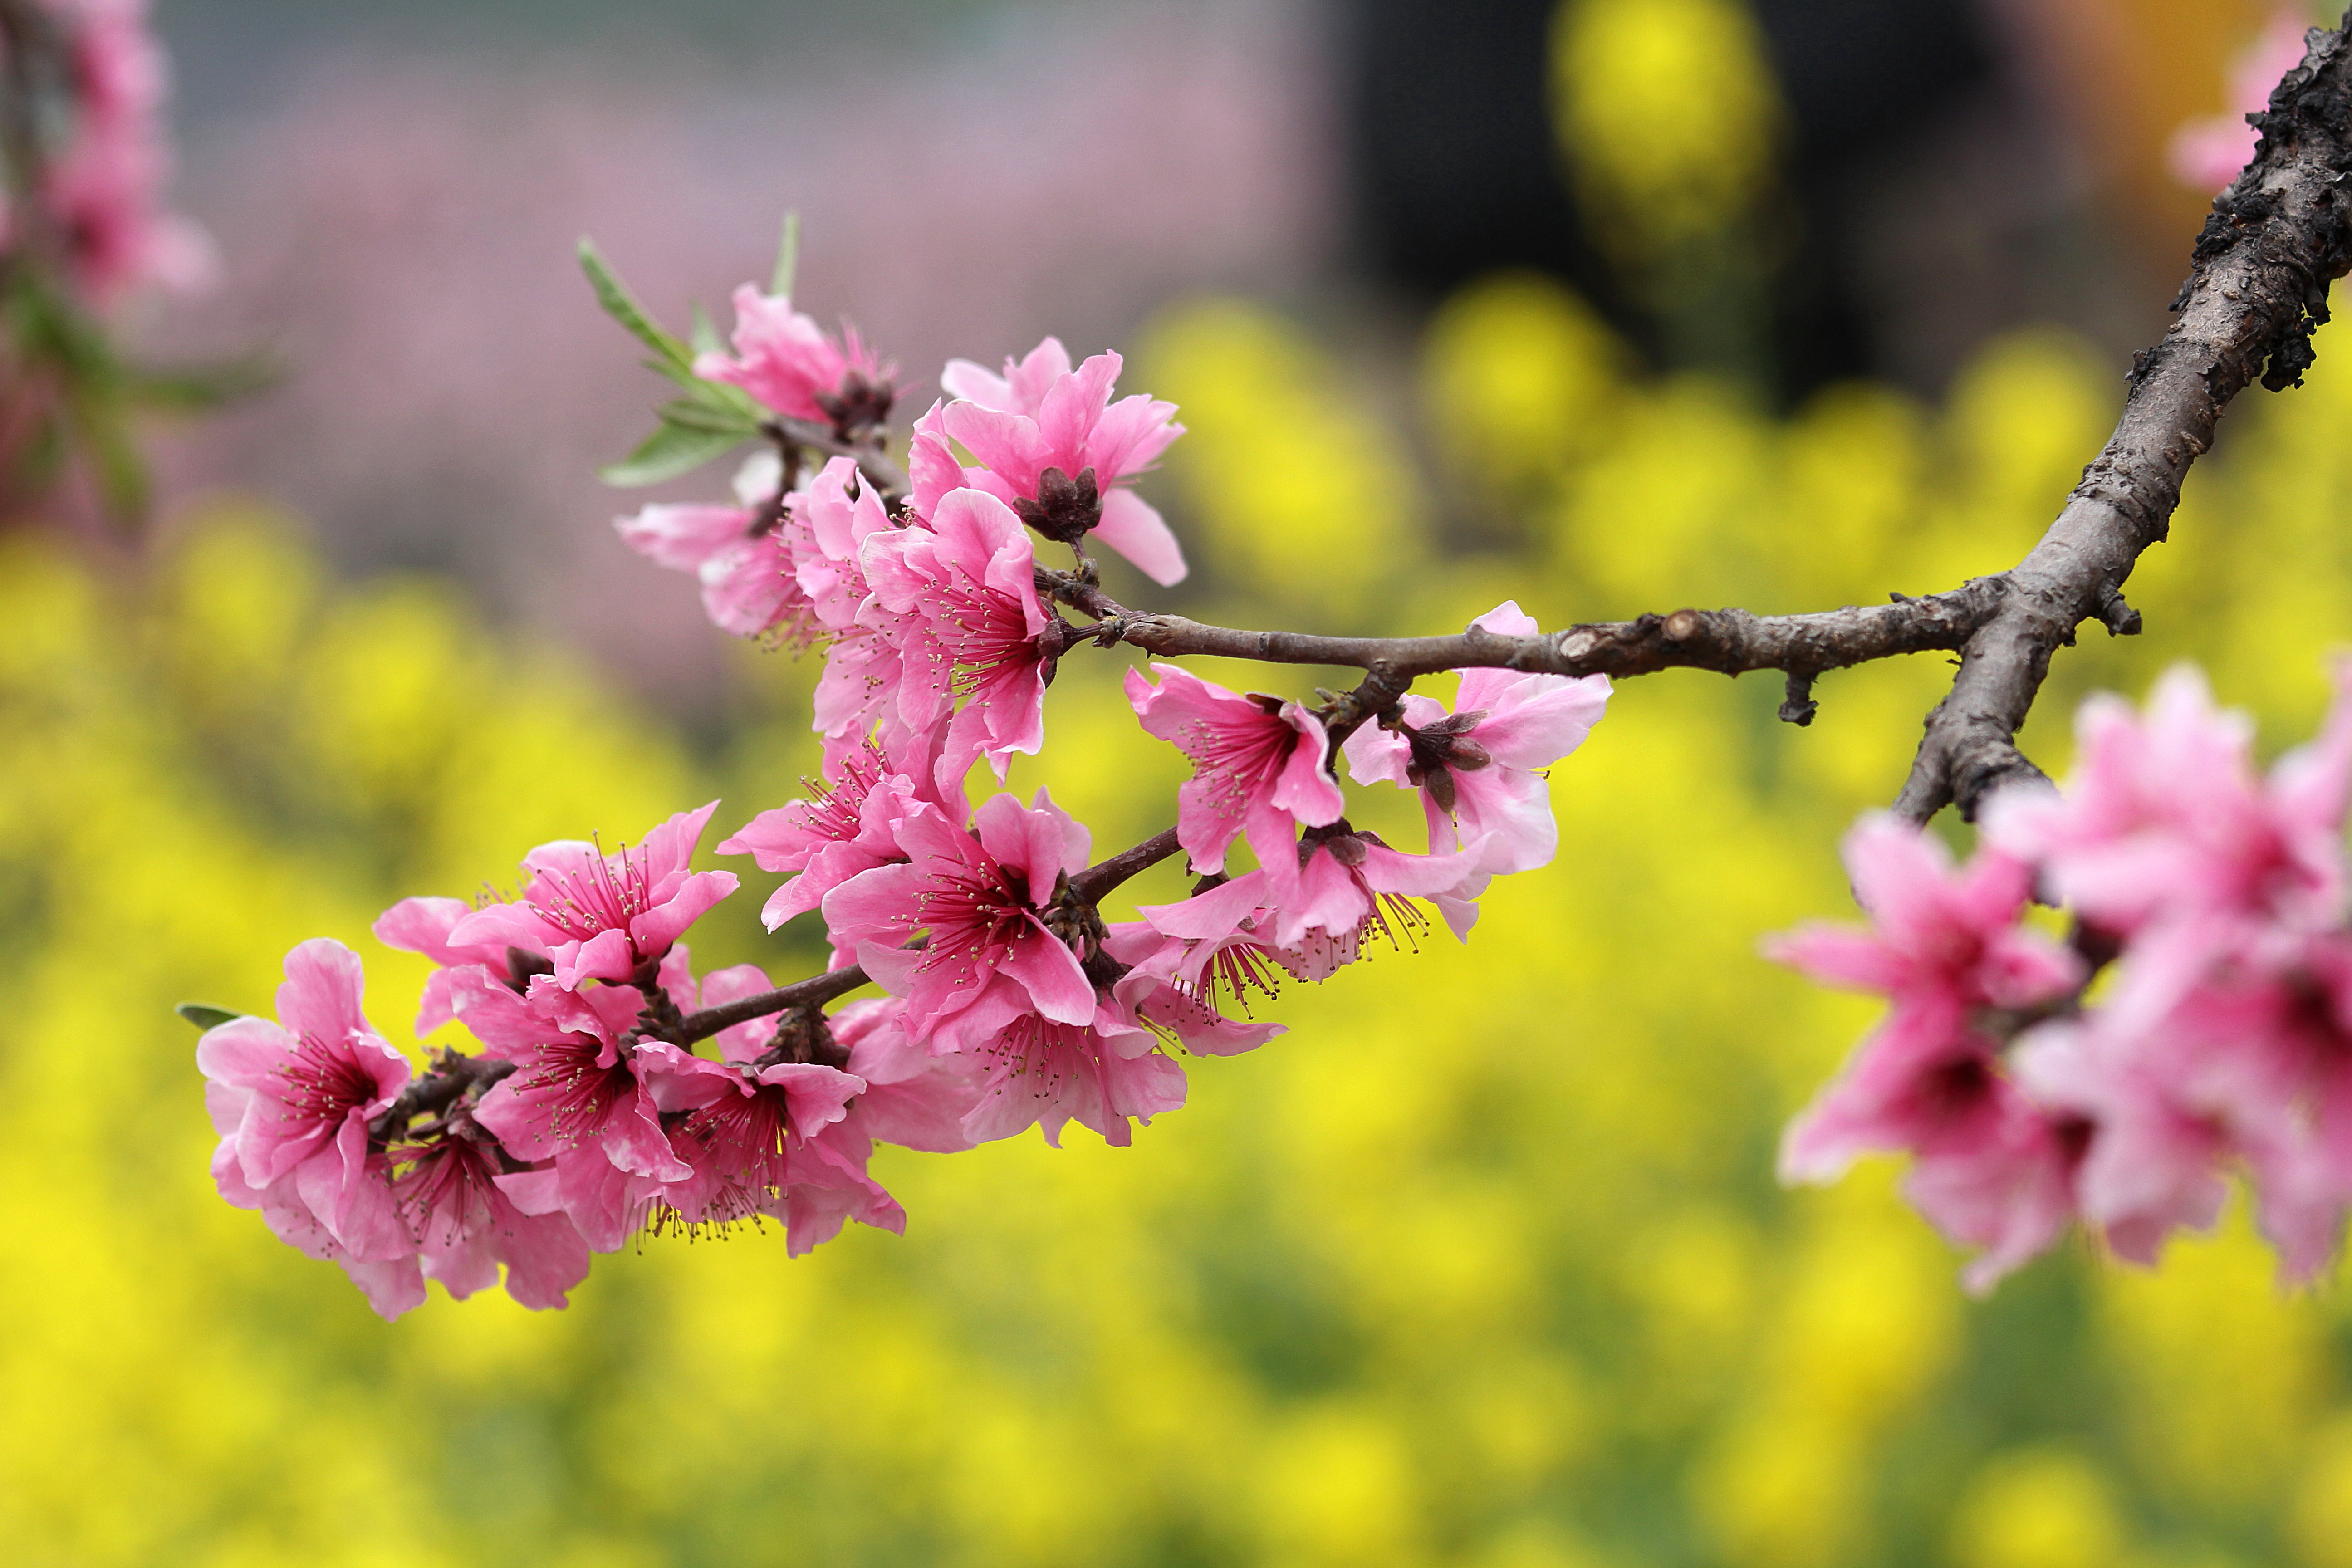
1731 641
2257 287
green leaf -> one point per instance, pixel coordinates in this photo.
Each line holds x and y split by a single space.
788 257
101 427
668 452
700 413
205 1016
671 357
703 335
193 389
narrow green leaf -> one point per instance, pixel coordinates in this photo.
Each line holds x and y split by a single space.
694 414
668 452
727 398
205 1016
193 389
672 358
703 335
788 257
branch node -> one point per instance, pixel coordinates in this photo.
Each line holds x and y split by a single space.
1798 706
2120 619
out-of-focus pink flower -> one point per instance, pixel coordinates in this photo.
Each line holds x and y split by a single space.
961 599
981 897
754 1139
1478 767
1042 415
2207 153
453 1193
1259 764
788 363
913 1098
849 824
2165 835
600 916
301 1092
1344 883
102 188
423 925
1048 1072
2153 1163
2007 1191
1940 942
744 556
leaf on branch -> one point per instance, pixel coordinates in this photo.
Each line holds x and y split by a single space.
205 1016
703 334
788 257
670 452
193 389
705 413
671 357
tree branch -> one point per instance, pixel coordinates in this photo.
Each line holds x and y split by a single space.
2257 287
814 991
1730 641
1096 882
885 476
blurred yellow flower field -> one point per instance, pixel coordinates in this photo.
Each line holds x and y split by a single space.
1481 1265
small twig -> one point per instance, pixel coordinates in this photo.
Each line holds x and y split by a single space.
1097 880
886 476
810 992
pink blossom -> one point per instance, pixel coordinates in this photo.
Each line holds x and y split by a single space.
913 1098
961 599
863 667
1477 767
301 1093
981 897
1260 765
754 1141
1991 1168
2249 1069
744 556
849 824
1344 884
103 187
1047 1072
600 916
2164 834
1940 942
2206 153
835 516
788 363
452 1190
2007 1192
1051 442
1183 956
575 1098
423 925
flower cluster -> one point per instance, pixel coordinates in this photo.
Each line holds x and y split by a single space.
1010 1000
2208 901
94 204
